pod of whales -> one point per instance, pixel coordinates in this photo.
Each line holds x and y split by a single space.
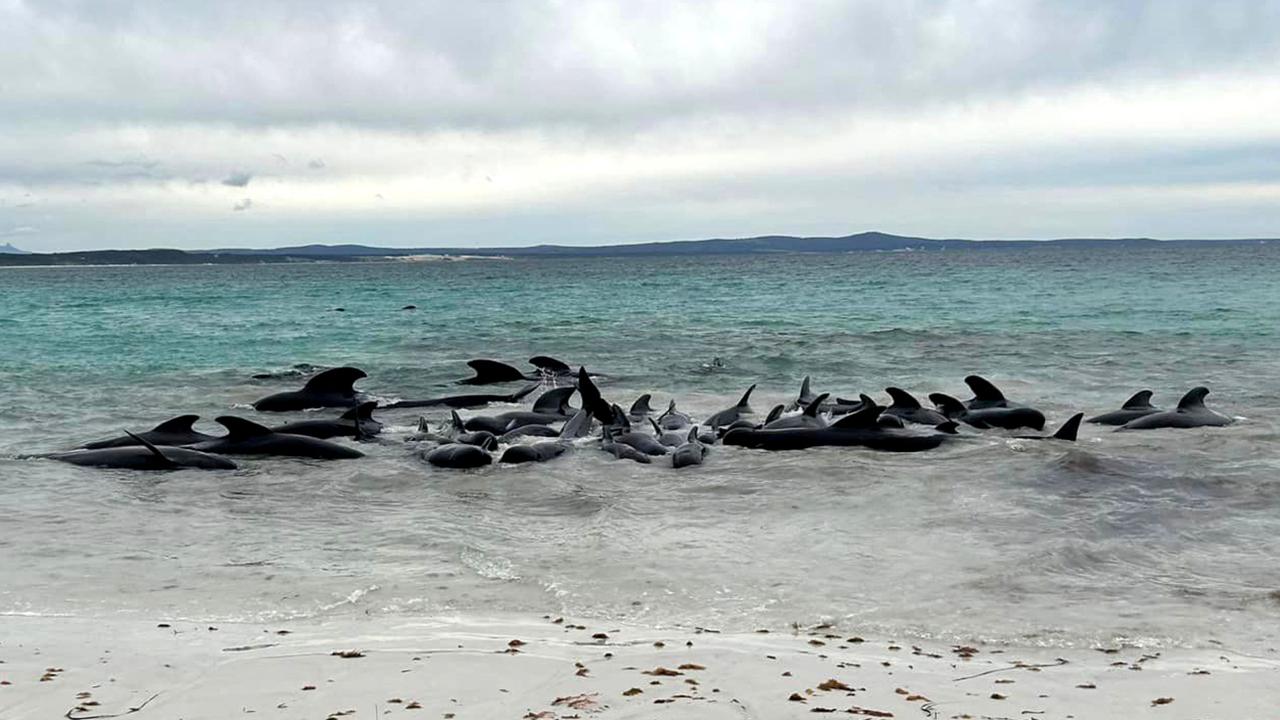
552 426
1190 413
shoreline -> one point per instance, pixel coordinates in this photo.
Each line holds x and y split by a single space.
549 668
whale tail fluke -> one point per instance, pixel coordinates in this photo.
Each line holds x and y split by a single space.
1070 428
592 401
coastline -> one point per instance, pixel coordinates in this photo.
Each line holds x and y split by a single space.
547 668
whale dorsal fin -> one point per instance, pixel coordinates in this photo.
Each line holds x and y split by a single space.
456 421
745 400
154 450
947 405
619 418
693 435
423 427
550 364
656 428
554 401
812 408
239 428
1141 400
983 389
180 424
1070 428
1193 399
491 371
338 380
363 411
774 414
671 409
865 418
902 399
804 389
641 405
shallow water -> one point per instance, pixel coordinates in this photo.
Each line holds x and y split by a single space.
1165 537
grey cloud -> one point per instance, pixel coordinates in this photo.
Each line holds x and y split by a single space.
602 65
237 179
242 205
316 164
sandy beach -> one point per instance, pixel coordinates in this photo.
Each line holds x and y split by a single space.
557 668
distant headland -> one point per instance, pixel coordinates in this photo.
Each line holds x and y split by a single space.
763 245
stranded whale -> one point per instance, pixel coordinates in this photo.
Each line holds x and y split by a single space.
1190 413
331 388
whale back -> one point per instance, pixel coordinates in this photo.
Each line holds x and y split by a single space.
554 402
363 411
240 429
180 424
550 365
339 381
902 399
1194 399
1141 400
491 372
983 390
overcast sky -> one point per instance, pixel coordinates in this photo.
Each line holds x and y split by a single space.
214 124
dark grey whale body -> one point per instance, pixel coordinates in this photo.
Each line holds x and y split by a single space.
906 407
465 401
552 406
331 388
1138 405
1069 430
861 429
691 452
806 419
1190 413
173 432
245 437
988 408
458 456
728 416
145 455
358 423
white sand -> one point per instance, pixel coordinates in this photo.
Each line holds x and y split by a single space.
465 668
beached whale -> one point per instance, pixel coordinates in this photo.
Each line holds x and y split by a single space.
1069 430
728 416
807 419
1190 413
861 429
173 432
1139 405
552 406
357 423
673 419
331 388
245 437
458 456
1008 418
143 455
465 401
691 452
906 407
492 372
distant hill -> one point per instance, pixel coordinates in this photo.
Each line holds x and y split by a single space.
764 245
9 249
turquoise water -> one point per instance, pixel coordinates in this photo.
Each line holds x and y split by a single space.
1165 537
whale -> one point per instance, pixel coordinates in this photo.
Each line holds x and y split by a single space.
465 401
860 429
1138 405
1190 413
621 451
905 406
806 419
673 419
692 452
728 416
143 455
331 388
535 452
552 406
1068 431
357 423
424 433
524 431
1008 418
670 438
640 408
803 398
245 437
592 401
458 456
173 432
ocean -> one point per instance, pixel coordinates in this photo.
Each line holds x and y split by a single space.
1162 538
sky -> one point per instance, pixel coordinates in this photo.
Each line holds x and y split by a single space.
264 124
